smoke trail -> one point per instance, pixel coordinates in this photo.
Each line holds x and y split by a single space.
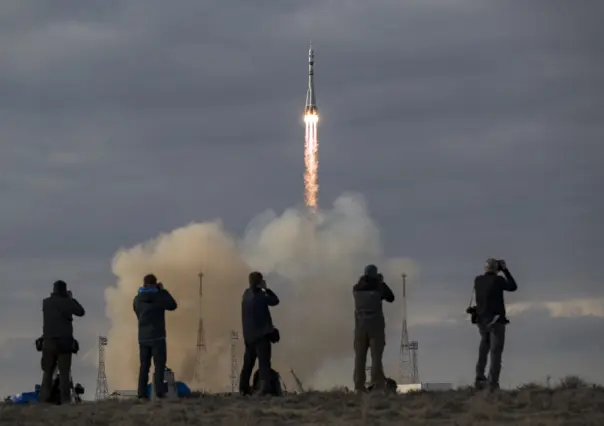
311 161
311 261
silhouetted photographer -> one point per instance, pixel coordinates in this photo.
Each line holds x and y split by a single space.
150 305
370 327
490 316
259 334
57 343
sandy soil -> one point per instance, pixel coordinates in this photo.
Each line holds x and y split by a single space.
536 406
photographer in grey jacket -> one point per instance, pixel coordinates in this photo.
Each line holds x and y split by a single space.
489 315
370 327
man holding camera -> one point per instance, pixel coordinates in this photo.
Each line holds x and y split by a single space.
150 306
490 317
259 333
370 327
58 344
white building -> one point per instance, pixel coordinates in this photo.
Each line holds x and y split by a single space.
418 387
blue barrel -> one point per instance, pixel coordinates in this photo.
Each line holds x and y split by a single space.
181 389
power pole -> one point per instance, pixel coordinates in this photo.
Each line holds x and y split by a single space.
102 390
405 362
234 381
201 342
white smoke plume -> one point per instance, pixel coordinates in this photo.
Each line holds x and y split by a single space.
310 260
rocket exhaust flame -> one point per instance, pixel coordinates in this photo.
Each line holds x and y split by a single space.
311 161
311 141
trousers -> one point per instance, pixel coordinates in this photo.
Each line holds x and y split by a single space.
492 341
153 350
260 350
373 341
56 352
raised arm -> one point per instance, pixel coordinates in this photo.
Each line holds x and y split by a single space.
168 301
76 309
271 297
387 293
508 283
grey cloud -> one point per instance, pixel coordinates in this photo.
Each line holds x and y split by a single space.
536 346
472 129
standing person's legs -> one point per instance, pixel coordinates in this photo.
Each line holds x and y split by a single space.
249 359
377 342
264 352
64 361
497 342
50 358
160 358
483 353
361 346
145 354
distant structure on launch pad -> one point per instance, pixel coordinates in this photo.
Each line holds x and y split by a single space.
408 368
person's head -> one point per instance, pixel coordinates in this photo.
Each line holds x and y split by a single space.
255 279
150 280
491 266
371 271
59 287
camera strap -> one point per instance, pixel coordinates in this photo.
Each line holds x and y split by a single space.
471 298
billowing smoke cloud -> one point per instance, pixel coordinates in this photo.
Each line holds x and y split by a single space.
310 261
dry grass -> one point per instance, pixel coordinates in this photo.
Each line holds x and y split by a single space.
574 404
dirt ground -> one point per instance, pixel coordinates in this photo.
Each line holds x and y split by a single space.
536 406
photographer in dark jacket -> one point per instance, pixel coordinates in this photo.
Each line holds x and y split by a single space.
150 305
258 333
370 327
491 319
58 343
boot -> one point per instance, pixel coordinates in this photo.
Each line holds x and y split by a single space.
481 383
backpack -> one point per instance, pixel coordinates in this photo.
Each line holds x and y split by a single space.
275 387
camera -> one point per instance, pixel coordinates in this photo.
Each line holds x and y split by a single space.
78 389
471 310
500 264
77 392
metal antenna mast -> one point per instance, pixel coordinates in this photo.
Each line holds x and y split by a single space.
413 347
201 341
406 361
102 390
234 339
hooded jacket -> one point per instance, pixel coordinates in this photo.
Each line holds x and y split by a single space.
58 311
150 305
369 292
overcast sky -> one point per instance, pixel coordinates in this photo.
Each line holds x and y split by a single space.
473 130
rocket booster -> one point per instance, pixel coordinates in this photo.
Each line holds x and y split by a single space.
311 102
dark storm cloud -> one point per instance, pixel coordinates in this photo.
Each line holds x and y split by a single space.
473 130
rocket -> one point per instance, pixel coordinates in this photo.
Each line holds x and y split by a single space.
311 102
